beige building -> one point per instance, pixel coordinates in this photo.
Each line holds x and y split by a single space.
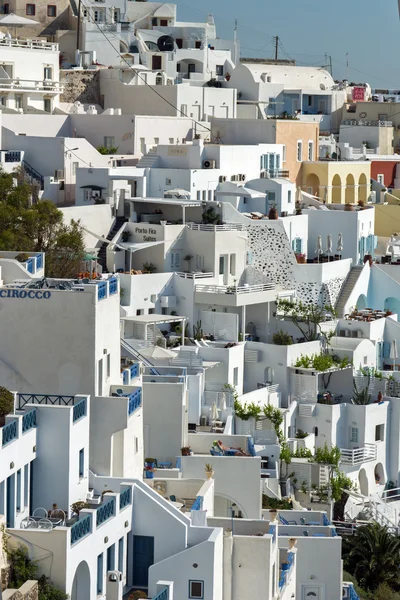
51 16
372 112
339 182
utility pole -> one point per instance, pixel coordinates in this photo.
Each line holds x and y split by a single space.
235 57
276 47
330 65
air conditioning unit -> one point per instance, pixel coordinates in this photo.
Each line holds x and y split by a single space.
59 174
209 164
264 175
222 178
235 178
242 177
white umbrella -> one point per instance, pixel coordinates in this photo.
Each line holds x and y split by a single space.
339 248
214 411
223 402
393 353
325 198
318 249
13 20
329 244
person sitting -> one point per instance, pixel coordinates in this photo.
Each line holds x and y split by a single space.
235 451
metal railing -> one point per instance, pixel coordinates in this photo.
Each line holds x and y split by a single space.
233 289
16 83
79 410
102 290
135 401
9 432
226 227
32 44
55 400
391 494
194 275
358 455
29 420
81 529
112 285
162 595
33 173
278 173
105 511
125 498
11 157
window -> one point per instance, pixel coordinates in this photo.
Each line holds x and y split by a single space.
140 311
289 196
116 16
81 463
6 9
299 151
210 195
249 258
381 178
178 66
197 44
153 298
47 105
184 109
100 574
109 141
18 102
48 73
204 195
26 485
51 10
365 360
75 165
18 503
221 265
111 558
3 100
171 140
236 376
121 554
316 431
163 22
136 447
156 141
179 43
198 195
219 70
380 433
31 10
310 150
152 311
232 264
196 589
354 435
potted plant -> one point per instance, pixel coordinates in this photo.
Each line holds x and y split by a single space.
348 207
301 258
22 257
285 565
126 234
149 471
227 76
6 404
273 213
188 260
301 494
292 542
186 450
149 268
209 470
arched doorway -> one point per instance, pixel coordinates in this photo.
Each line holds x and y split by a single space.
363 481
392 304
226 507
362 187
81 583
312 185
336 190
350 189
361 302
379 473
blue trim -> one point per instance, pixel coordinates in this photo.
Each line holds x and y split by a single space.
10 432
81 528
163 595
125 498
39 261
198 503
135 401
101 290
29 420
125 377
134 370
112 285
100 575
79 410
105 511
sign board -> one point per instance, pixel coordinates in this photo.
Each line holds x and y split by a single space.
25 293
145 234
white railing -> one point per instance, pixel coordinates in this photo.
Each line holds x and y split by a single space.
218 397
226 227
355 122
393 494
31 44
232 289
31 84
358 455
194 275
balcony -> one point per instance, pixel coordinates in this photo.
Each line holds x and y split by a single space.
29 85
274 173
217 228
355 123
357 456
230 295
29 44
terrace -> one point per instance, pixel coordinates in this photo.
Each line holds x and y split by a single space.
367 315
78 402
231 295
43 288
29 44
186 494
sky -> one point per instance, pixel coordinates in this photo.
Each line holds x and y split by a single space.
367 30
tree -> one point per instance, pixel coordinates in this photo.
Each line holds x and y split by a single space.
6 403
39 227
372 555
306 317
338 481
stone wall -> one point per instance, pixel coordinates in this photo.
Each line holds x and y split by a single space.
28 591
82 86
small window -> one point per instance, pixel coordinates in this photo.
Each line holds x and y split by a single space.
236 376
198 44
249 258
47 105
75 165
18 102
179 43
108 365
109 141
152 311
381 178
221 265
310 150
198 195
289 196
139 311
183 110
316 431
100 574
380 433
299 151
81 463
232 264
48 73
136 445
156 141
196 589
204 195
6 9
163 23
51 10
171 140
31 10
354 435
219 70
365 360
153 298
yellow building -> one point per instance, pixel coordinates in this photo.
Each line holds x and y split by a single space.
338 182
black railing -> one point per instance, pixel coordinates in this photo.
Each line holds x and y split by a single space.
31 171
55 400
10 157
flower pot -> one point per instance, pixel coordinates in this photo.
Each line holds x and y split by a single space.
149 474
368 258
292 542
273 513
209 474
285 566
348 207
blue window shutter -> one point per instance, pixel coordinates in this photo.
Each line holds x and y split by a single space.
298 245
386 349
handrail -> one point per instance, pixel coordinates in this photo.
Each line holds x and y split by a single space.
226 227
194 275
232 289
34 45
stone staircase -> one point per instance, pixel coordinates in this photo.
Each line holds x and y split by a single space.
347 289
148 160
102 255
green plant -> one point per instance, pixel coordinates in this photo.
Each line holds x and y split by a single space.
138 594
23 569
149 267
321 362
275 503
302 453
306 317
321 492
76 507
300 434
178 329
240 337
188 259
106 150
208 467
22 257
210 217
126 234
6 402
303 487
281 338
197 331
362 397
246 411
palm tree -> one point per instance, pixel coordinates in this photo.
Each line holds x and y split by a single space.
372 555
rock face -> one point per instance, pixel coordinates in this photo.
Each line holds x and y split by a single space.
80 85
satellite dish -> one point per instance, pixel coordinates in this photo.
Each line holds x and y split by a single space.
166 43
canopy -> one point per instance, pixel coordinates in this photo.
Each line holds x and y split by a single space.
14 20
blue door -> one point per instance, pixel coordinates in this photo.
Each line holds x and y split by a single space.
10 501
143 558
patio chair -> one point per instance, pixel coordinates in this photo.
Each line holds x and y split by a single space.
305 533
214 452
304 522
286 522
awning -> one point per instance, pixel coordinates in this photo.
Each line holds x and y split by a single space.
92 187
166 202
133 247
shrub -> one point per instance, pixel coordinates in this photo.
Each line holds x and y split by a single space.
281 338
137 595
77 506
22 257
105 150
6 402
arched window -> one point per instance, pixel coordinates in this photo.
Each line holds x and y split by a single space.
159 79
316 431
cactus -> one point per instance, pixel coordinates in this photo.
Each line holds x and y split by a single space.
362 397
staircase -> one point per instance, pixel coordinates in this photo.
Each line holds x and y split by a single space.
347 289
32 175
102 255
148 160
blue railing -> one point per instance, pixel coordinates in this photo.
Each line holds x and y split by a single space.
39 261
163 595
30 265
81 528
79 410
325 520
112 285
125 377
10 432
102 290
12 157
29 420
198 503
349 592
125 498
105 511
135 401
134 370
